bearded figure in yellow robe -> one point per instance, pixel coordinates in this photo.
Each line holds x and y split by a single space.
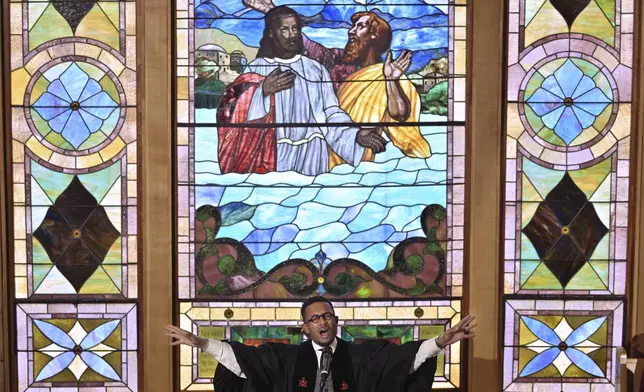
371 91
368 90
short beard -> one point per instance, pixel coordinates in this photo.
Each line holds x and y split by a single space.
354 52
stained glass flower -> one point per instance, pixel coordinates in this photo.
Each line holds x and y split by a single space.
75 105
563 346
77 350
568 101
323 261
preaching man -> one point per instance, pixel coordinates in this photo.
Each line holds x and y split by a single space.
370 366
283 87
368 89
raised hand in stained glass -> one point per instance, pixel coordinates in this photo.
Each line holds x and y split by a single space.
394 69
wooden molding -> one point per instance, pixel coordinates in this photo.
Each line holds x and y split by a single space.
6 357
154 43
636 292
484 214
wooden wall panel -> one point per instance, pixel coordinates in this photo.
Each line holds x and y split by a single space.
5 159
637 191
485 168
156 127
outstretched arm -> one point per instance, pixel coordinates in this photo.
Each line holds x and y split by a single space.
221 351
465 329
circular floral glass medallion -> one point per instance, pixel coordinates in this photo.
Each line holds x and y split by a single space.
568 101
74 105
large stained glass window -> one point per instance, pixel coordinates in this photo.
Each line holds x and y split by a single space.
74 154
568 148
283 190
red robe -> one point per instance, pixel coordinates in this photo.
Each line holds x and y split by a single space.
244 149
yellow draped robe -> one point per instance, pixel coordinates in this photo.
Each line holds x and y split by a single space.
366 102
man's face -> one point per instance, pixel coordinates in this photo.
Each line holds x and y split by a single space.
323 332
287 36
361 30
360 37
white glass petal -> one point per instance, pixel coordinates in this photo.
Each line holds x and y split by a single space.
538 346
77 367
587 346
53 350
77 333
102 350
563 329
562 363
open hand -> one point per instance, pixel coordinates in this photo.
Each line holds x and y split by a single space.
369 138
465 329
185 337
262 6
277 81
394 69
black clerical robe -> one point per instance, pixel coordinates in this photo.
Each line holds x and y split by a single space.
226 381
369 366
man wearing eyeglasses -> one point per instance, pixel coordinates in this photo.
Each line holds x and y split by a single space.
369 366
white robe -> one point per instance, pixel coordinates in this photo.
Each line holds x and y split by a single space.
312 103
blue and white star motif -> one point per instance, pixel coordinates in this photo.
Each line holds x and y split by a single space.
77 350
562 346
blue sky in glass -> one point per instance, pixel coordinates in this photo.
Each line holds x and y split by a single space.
416 25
